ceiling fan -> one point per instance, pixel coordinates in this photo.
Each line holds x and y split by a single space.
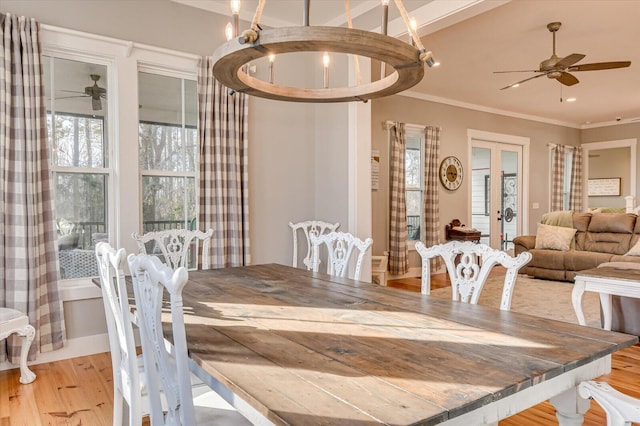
559 68
96 93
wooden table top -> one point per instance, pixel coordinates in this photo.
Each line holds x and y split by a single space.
307 348
612 272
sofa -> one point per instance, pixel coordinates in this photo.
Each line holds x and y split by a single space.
598 238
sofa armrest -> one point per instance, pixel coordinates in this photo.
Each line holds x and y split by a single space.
524 243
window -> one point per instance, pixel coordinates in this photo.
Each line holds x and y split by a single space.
414 181
76 124
167 147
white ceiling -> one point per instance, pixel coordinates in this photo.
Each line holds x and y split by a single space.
473 38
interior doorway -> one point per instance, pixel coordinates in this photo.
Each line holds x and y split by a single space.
497 197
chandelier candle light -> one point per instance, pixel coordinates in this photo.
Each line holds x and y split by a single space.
406 60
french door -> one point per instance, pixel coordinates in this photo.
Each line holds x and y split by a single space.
496 192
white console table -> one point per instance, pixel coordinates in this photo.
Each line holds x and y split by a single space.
607 281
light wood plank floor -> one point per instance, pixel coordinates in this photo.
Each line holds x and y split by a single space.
79 391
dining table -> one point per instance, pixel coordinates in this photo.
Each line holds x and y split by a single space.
287 346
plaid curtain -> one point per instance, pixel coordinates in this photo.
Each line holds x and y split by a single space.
28 268
575 198
557 176
224 169
431 216
398 253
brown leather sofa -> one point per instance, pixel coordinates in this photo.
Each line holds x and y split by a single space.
600 238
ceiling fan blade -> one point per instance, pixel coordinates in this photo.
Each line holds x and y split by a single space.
567 61
71 97
600 66
70 91
567 79
96 104
522 81
502 72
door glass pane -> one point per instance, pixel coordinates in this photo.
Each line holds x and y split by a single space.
481 191
509 199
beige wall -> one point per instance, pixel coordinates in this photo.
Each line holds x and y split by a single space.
610 163
613 133
455 122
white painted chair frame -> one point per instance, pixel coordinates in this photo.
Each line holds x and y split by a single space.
175 243
165 370
340 248
470 274
12 321
621 409
127 385
310 227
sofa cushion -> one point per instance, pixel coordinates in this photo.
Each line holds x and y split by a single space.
554 237
548 259
612 222
635 250
606 242
581 221
581 260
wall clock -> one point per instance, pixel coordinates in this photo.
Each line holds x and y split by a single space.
451 173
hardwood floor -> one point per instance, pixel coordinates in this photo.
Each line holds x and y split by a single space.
79 391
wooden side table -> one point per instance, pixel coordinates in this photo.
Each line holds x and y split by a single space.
455 233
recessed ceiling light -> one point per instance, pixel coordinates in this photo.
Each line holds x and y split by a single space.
571 99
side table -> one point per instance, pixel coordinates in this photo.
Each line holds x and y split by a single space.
607 281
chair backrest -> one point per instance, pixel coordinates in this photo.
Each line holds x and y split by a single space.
175 245
165 369
621 409
468 265
124 361
340 248
310 227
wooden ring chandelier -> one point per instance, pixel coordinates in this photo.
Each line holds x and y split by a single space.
406 60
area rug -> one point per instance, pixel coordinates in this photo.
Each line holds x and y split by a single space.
543 298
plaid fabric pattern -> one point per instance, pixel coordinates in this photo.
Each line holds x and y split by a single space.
431 215
28 269
223 126
398 253
575 199
557 176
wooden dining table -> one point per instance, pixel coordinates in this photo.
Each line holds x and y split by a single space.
288 346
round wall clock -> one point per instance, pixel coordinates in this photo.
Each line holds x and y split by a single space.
451 173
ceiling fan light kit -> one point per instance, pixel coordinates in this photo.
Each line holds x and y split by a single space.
559 68
406 60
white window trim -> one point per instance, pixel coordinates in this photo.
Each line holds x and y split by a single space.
123 60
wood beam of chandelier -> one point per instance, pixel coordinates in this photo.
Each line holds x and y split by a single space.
406 60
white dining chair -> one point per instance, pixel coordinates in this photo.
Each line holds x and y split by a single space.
12 321
176 245
341 246
468 266
166 365
308 228
127 386
621 409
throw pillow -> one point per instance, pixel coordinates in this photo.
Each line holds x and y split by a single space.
554 237
635 250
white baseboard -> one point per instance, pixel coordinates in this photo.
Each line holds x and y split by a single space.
80 346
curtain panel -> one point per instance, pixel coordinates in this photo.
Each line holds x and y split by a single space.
398 253
431 214
224 169
557 178
575 198
28 258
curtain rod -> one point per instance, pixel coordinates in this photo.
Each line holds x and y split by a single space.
386 124
553 145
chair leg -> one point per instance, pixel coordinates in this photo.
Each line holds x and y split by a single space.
27 333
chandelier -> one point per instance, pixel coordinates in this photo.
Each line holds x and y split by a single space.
406 60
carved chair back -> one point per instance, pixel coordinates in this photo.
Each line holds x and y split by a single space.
341 246
165 369
126 376
468 265
175 245
309 228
